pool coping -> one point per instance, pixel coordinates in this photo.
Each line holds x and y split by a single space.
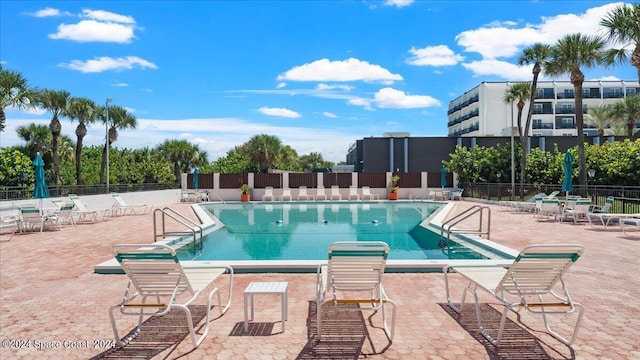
432 222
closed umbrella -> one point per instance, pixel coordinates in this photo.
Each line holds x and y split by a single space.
567 184
443 176
41 191
196 172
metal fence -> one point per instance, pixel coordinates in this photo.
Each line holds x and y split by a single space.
24 193
627 198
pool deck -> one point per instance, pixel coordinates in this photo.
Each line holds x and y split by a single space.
50 296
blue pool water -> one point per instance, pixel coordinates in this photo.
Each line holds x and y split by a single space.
304 231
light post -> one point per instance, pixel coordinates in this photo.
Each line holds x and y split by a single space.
499 175
513 166
106 130
592 174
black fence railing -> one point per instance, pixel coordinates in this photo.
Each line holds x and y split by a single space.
627 198
25 193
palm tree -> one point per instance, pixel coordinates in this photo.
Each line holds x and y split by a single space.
85 112
119 119
56 102
182 154
568 55
520 93
37 138
627 111
623 27
264 150
14 91
601 118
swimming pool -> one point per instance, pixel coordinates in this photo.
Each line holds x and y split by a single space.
304 231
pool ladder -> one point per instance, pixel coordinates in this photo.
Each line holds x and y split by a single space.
192 228
447 226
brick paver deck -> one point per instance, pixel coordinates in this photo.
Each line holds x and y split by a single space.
52 305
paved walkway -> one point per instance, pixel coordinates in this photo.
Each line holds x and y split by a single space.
52 305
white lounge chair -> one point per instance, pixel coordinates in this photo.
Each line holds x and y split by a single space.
335 192
303 194
355 268
32 218
121 206
156 275
353 193
577 210
548 207
367 195
601 213
84 213
531 282
456 194
286 194
65 215
268 194
320 193
630 222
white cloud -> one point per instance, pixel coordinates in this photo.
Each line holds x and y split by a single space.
106 16
106 63
120 84
49 12
334 87
397 99
281 112
440 55
348 70
398 3
91 30
329 115
365 103
502 69
507 39
281 85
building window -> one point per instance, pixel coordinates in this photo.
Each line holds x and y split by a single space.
567 123
537 108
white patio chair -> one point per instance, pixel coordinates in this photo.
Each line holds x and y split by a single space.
121 206
353 193
531 282
268 194
303 194
367 195
84 213
548 207
156 274
320 193
579 209
354 268
286 194
335 192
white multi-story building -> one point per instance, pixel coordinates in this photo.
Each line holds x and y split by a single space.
482 111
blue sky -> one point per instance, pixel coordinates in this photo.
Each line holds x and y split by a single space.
317 74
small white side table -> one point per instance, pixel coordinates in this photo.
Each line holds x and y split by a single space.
259 288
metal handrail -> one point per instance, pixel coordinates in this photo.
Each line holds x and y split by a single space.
463 216
181 219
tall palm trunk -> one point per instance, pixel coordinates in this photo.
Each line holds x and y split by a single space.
577 78
81 132
55 128
631 123
2 119
524 136
523 142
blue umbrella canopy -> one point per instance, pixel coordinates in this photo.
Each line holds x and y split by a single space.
41 191
196 173
443 176
567 184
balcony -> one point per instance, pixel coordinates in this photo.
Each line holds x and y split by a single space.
542 126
